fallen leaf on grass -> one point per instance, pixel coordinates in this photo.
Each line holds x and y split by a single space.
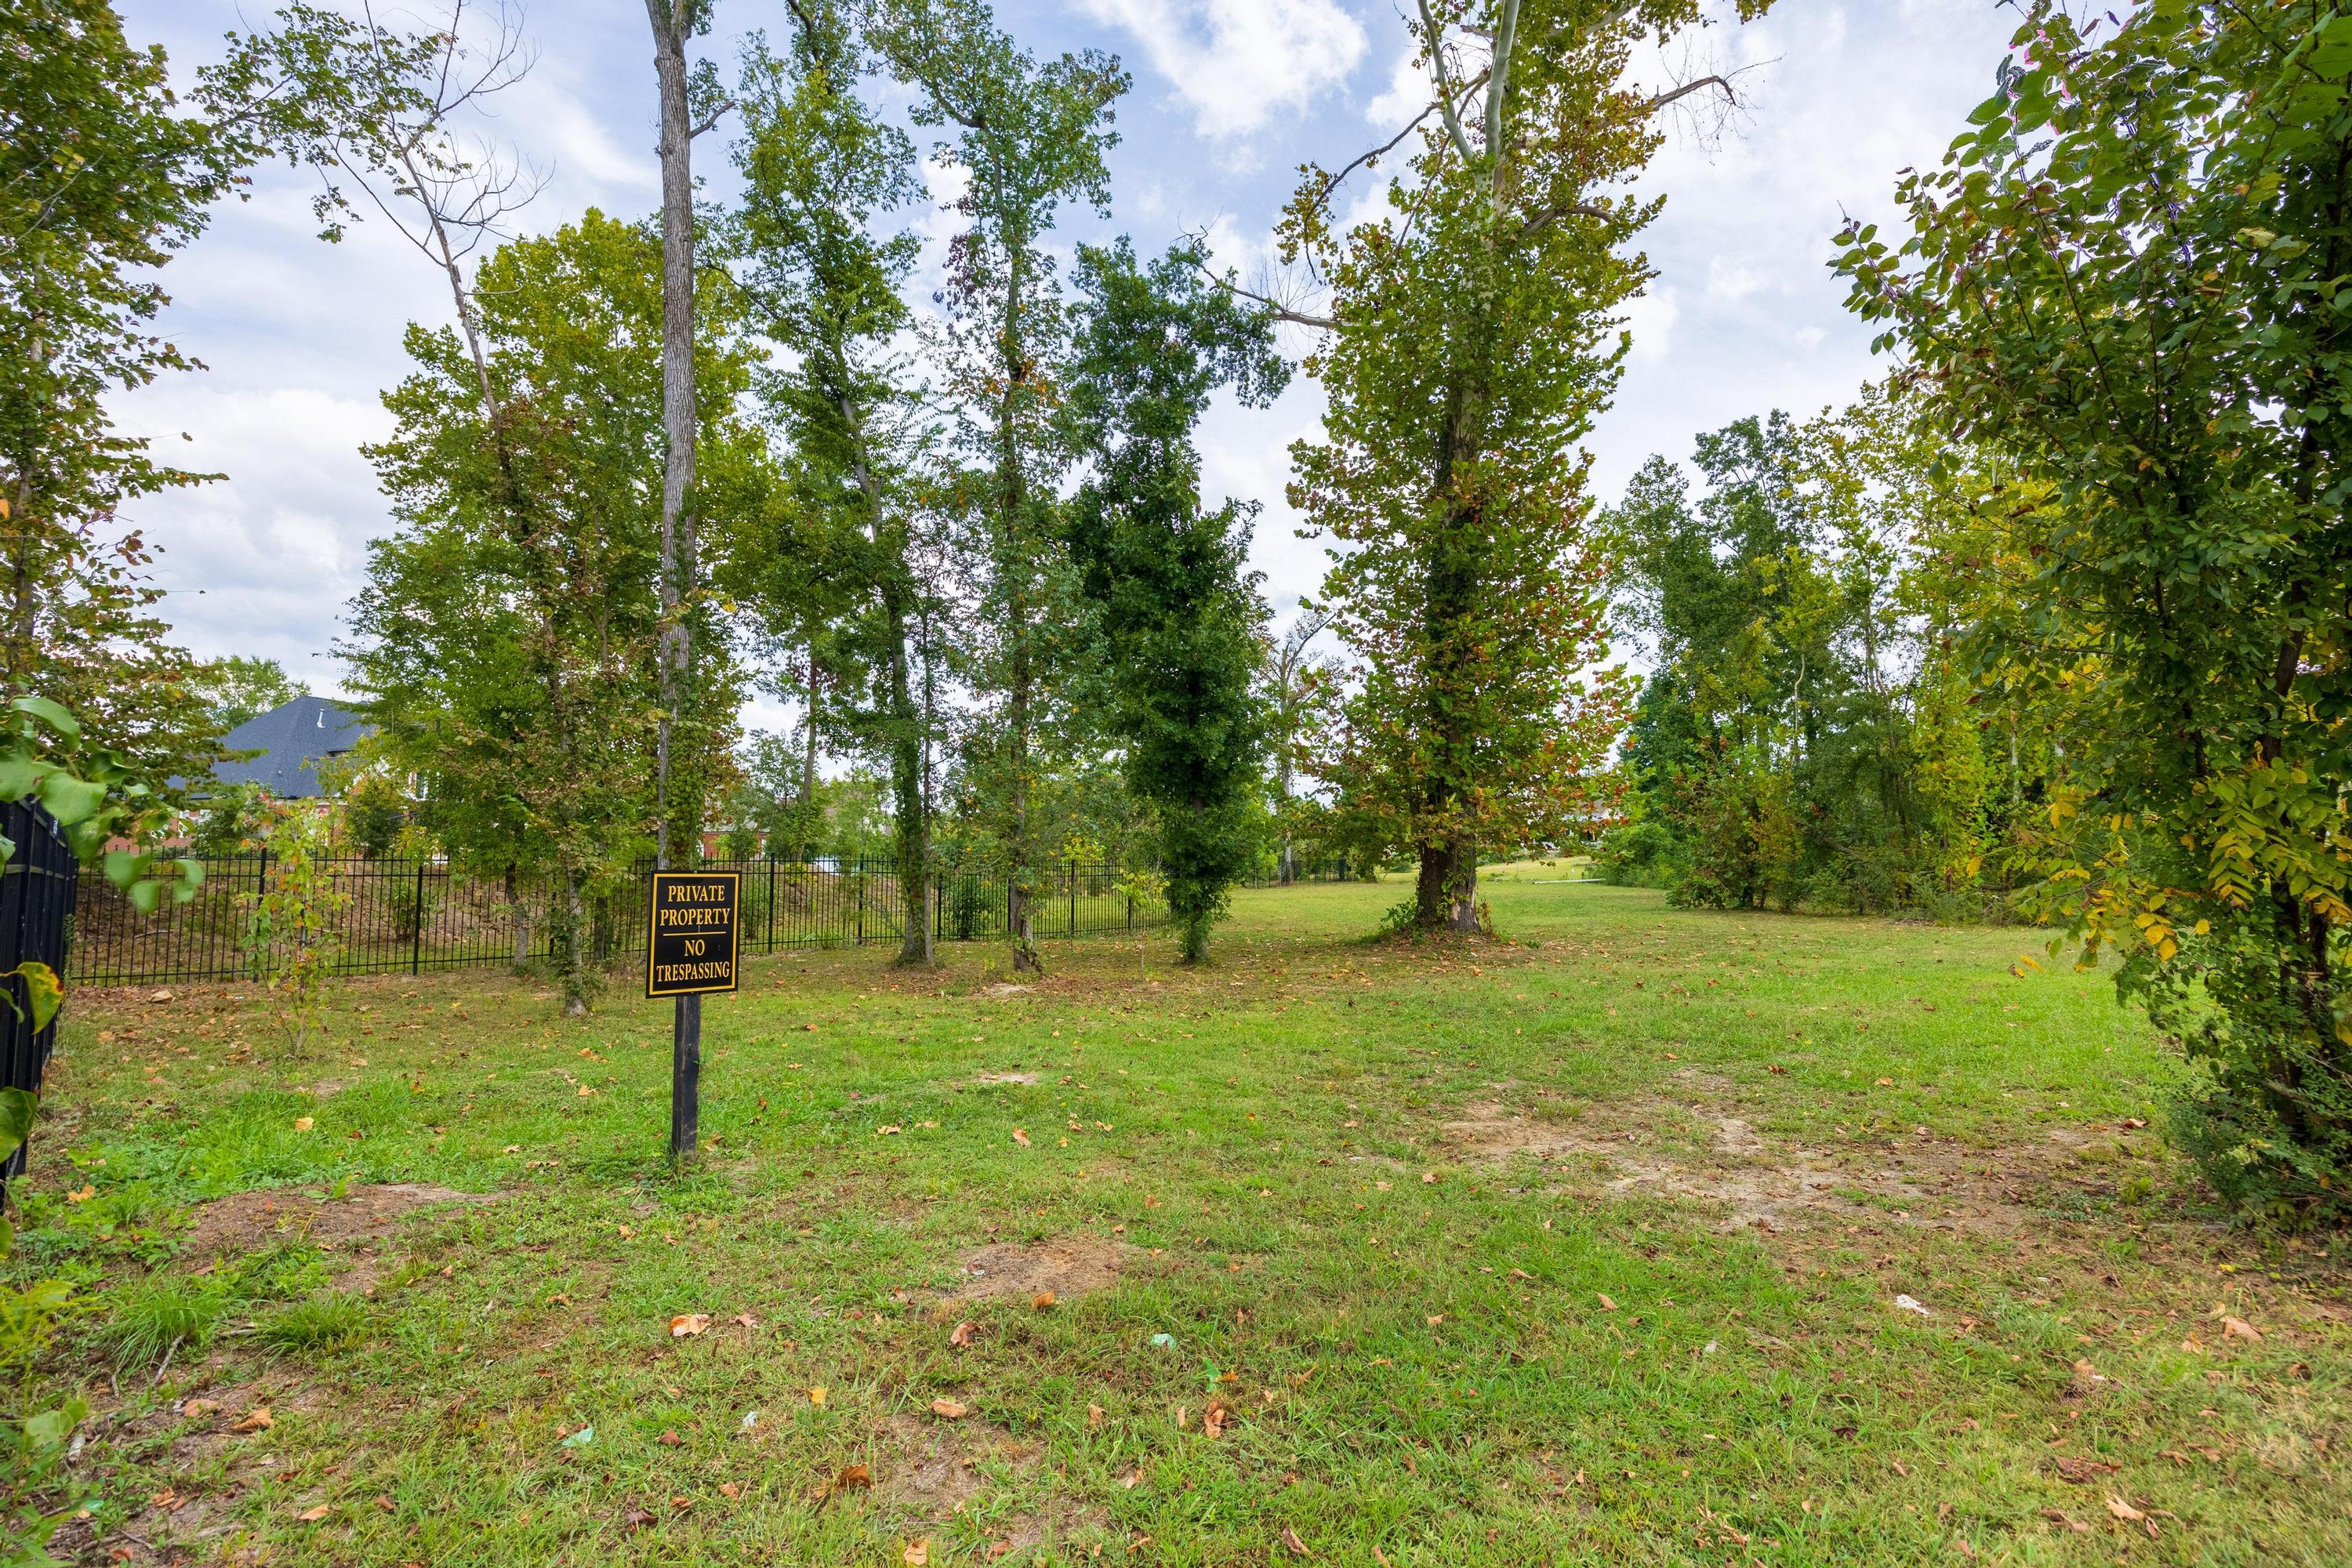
303 1124
638 1518
2081 1471
949 1409
1021 1138
996 1548
2058 1516
2125 1511
1042 1300
669 1439
687 1324
917 1553
963 1333
746 1319
1292 1544
1607 1305
2239 1328
257 1419
853 1478
730 1490
1213 1420
1093 1417
313 1515
816 1397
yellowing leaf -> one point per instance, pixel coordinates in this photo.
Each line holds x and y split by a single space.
816 1397
687 1324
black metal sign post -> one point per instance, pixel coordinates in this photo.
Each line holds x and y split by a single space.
690 949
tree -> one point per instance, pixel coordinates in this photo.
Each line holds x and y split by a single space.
1031 136
820 170
239 686
2127 282
1803 737
1471 343
106 173
1297 682
1178 607
506 641
690 105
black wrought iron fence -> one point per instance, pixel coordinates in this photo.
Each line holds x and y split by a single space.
408 916
38 888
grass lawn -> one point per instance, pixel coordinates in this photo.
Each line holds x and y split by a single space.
1588 1248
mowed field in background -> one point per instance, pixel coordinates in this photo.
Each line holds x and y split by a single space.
1641 1236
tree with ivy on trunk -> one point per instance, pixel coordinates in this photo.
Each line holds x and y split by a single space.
1178 607
1471 339
1031 136
2130 281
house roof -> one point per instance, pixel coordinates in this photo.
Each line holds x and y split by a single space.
290 739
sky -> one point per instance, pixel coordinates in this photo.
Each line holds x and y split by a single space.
300 338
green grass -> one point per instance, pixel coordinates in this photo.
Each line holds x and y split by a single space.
1439 1350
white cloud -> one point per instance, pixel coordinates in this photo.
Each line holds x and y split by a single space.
1728 278
1651 318
1408 92
1236 62
264 560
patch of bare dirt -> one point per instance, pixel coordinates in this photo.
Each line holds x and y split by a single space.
1656 1147
928 1471
246 1222
1020 1078
1069 1266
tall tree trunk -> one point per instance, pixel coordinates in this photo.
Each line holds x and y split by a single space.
675 654
1013 561
1446 893
805 818
521 916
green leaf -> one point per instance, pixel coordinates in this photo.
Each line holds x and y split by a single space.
52 714
50 1429
44 992
71 799
17 1108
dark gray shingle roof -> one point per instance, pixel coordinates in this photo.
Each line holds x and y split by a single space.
290 739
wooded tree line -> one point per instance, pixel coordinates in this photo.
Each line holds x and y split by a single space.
2057 613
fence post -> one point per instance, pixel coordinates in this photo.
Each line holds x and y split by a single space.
1073 898
772 903
861 901
416 931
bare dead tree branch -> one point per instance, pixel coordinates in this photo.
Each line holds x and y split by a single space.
1273 307
1366 160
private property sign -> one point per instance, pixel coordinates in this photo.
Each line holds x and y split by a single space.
690 947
